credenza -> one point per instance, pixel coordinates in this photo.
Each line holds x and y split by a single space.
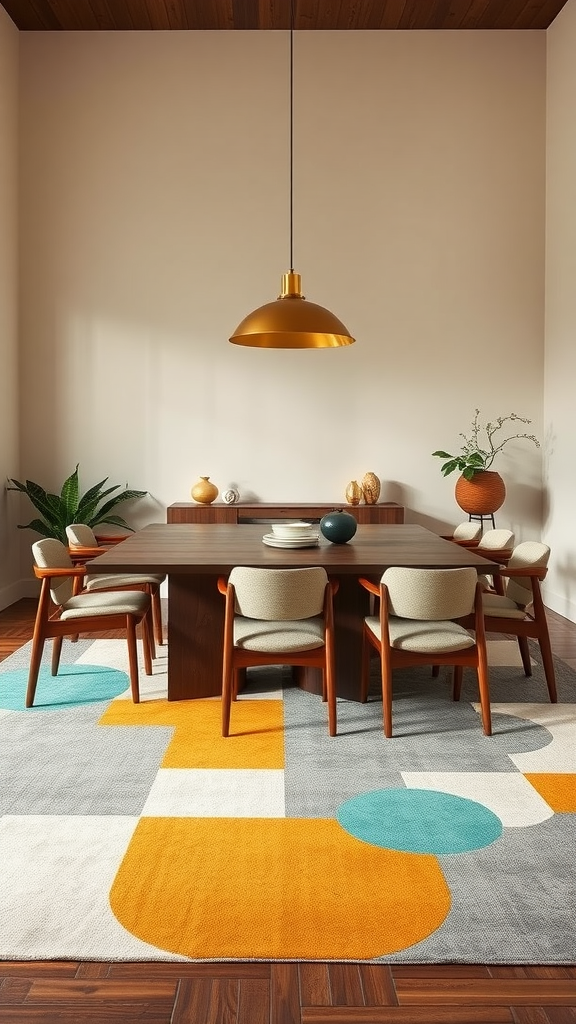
385 512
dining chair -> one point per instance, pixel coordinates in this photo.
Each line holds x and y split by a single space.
83 544
64 609
419 623
467 534
497 545
519 611
278 617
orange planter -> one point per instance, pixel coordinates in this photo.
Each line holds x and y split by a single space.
481 495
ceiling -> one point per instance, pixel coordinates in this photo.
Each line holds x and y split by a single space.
121 15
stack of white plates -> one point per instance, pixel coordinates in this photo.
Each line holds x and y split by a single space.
291 535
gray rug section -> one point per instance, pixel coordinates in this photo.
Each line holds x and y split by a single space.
70 653
505 908
431 733
78 766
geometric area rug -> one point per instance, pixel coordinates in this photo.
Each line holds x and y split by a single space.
136 833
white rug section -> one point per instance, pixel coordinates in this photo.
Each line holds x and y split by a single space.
251 693
560 720
216 793
58 872
504 653
114 654
508 794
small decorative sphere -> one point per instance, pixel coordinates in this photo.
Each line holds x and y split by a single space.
338 527
231 496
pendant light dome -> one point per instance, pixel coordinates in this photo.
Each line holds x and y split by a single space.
291 321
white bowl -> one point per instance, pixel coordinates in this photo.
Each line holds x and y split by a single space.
292 531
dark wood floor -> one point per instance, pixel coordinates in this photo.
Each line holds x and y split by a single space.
234 993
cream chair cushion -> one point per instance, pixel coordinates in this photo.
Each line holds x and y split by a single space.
278 609
467 531
52 554
421 603
518 589
495 539
282 594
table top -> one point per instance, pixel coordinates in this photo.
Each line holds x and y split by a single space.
200 549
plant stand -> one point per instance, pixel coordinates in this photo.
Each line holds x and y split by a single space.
486 516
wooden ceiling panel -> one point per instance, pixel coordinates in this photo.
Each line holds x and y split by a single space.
310 15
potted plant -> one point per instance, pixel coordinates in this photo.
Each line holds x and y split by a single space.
60 510
479 489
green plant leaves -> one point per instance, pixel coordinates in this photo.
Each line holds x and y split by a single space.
59 511
473 458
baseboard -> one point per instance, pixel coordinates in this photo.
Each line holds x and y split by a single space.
17 591
559 603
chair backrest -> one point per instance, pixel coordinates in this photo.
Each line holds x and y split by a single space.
279 594
81 535
53 554
467 531
494 539
430 593
528 554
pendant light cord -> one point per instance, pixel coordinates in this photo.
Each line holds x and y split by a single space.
292 137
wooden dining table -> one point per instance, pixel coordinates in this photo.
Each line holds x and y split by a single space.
193 556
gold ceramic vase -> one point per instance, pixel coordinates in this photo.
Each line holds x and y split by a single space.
353 493
204 492
370 488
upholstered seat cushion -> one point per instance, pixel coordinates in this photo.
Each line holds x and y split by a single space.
495 604
133 580
271 637
425 636
126 602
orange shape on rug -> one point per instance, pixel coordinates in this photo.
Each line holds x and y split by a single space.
280 888
557 789
257 740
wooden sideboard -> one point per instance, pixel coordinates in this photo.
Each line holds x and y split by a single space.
385 512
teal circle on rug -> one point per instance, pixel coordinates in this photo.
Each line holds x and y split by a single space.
74 685
419 821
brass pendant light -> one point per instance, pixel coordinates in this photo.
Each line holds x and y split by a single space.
290 321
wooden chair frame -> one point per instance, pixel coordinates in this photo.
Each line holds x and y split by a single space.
534 626
392 657
48 625
80 555
236 659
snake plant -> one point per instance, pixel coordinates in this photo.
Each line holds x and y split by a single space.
60 510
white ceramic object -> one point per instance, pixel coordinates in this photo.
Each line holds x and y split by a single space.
231 496
293 530
311 541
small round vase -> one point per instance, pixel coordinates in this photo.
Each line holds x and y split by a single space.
204 492
482 495
338 527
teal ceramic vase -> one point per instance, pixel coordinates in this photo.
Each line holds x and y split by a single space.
338 527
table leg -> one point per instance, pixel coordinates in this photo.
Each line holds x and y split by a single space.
351 605
195 635
196 628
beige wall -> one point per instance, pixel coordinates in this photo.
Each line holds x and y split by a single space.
560 420
9 561
154 216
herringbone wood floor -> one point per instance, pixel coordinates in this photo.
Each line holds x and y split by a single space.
235 993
